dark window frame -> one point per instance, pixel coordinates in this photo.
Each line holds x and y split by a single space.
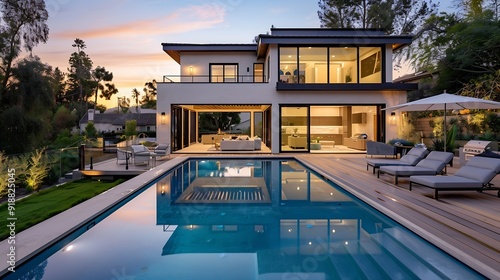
224 72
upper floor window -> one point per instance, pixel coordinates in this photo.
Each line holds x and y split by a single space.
258 72
224 73
330 65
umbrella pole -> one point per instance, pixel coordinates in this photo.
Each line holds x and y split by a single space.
444 127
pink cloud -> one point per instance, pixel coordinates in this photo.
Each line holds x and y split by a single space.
182 20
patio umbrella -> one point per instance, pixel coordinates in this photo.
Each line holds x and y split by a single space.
445 101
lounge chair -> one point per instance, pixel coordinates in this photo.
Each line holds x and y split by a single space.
141 155
410 159
122 155
162 150
433 164
476 175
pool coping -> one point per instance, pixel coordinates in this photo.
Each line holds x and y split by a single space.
30 242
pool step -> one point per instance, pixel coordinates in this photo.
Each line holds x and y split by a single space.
437 260
405 256
345 266
365 262
390 265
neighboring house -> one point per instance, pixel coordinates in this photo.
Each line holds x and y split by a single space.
109 122
316 83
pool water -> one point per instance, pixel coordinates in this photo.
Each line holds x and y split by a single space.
243 219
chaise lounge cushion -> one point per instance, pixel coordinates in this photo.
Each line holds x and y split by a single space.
424 167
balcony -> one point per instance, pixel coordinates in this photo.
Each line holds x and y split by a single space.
230 79
344 87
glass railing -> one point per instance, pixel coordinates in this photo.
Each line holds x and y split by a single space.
214 79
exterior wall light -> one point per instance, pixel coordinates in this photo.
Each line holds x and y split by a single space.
392 120
190 70
163 118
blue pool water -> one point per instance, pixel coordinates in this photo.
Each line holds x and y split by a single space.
243 219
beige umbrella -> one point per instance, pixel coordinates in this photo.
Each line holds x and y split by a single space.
446 101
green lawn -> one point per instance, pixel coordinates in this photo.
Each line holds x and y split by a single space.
49 202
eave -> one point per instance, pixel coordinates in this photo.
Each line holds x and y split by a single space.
174 49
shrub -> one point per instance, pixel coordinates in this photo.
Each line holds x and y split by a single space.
401 141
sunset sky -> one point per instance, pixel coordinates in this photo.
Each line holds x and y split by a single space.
125 36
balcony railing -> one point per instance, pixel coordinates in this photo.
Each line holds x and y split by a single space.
214 79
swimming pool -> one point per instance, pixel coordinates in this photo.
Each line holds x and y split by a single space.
243 219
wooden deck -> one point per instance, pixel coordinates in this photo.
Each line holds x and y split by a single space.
466 224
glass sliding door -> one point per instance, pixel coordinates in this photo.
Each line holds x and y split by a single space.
294 128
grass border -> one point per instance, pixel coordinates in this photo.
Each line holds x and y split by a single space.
49 202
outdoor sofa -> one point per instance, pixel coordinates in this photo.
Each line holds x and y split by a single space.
433 164
240 143
410 159
476 175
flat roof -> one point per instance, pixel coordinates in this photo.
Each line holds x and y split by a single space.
297 36
174 49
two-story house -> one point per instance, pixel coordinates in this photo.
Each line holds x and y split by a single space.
300 86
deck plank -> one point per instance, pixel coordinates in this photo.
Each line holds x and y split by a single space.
464 224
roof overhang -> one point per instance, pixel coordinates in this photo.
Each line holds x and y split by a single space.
332 37
174 49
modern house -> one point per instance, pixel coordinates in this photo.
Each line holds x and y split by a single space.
300 86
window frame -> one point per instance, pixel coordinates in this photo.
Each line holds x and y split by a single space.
224 78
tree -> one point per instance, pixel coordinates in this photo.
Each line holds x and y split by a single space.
100 75
59 86
79 73
130 129
216 121
394 16
337 13
29 101
149 98
135 96
123 104
25 26
63 119
472 55
90 130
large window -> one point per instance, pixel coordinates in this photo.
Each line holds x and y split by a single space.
223 73
370 64
343 66
313 65
332 65
288 65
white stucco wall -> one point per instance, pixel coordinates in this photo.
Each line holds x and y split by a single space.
257 93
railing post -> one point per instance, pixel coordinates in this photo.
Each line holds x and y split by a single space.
81 156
